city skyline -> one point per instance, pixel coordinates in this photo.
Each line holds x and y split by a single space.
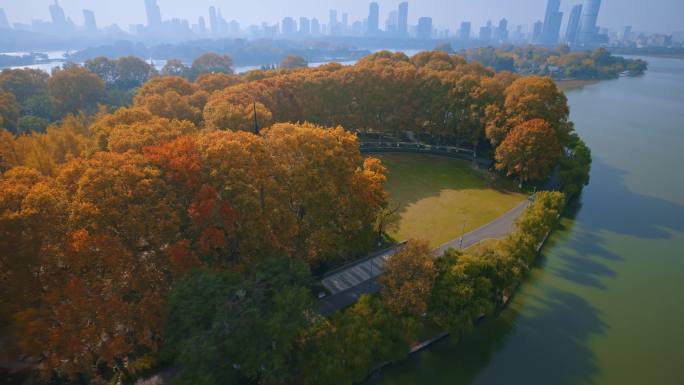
614 14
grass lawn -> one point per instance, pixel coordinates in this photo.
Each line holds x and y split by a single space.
438 195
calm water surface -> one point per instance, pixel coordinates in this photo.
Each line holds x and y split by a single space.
605 304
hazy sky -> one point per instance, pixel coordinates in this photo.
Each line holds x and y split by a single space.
649 15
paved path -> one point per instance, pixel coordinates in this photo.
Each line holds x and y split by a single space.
349 283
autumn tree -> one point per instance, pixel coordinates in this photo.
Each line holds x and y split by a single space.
172 97
530 151
408 278
223 115
109 283
74 89
529 98
174 67
294 61
24 83
217 81
212 63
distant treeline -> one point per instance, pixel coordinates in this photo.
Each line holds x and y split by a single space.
559 63
243 52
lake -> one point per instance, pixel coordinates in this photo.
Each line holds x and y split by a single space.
605 303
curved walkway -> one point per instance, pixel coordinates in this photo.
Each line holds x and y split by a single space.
349 283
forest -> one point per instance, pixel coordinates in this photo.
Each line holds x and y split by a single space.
559 63
154 219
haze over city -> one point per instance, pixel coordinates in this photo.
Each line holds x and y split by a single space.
662 16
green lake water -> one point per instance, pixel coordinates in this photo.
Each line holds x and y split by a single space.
605 303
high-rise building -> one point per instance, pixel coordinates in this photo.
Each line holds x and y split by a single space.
373 19
402 22
588 30
392 23
213 20
333 28
202 25
424 29
464 32
315 27
626 34
573 24
288 26
502 31
153 14
552 23
345 23
89 21
304 26
4 23
58 17
537 30
486 32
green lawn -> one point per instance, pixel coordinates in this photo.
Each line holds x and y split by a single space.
439 195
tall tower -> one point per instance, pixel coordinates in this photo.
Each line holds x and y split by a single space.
4 23
213 20
373 19
57 14
552 23
588 30
573 24
332 23
153 14
464 33
402 23
89 21
424 30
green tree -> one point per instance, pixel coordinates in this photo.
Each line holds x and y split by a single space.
30 123
223 327
9 111
575 167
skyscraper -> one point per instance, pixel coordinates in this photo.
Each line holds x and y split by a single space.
464 33
345 23
4 23
304 26
588 30
424 30
402 22
202 25
89 21
573 24
486 32
373 19
552 23
58 18
332 23
392 23
213 20
537 30
502 30
315 27
153 14
288 27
